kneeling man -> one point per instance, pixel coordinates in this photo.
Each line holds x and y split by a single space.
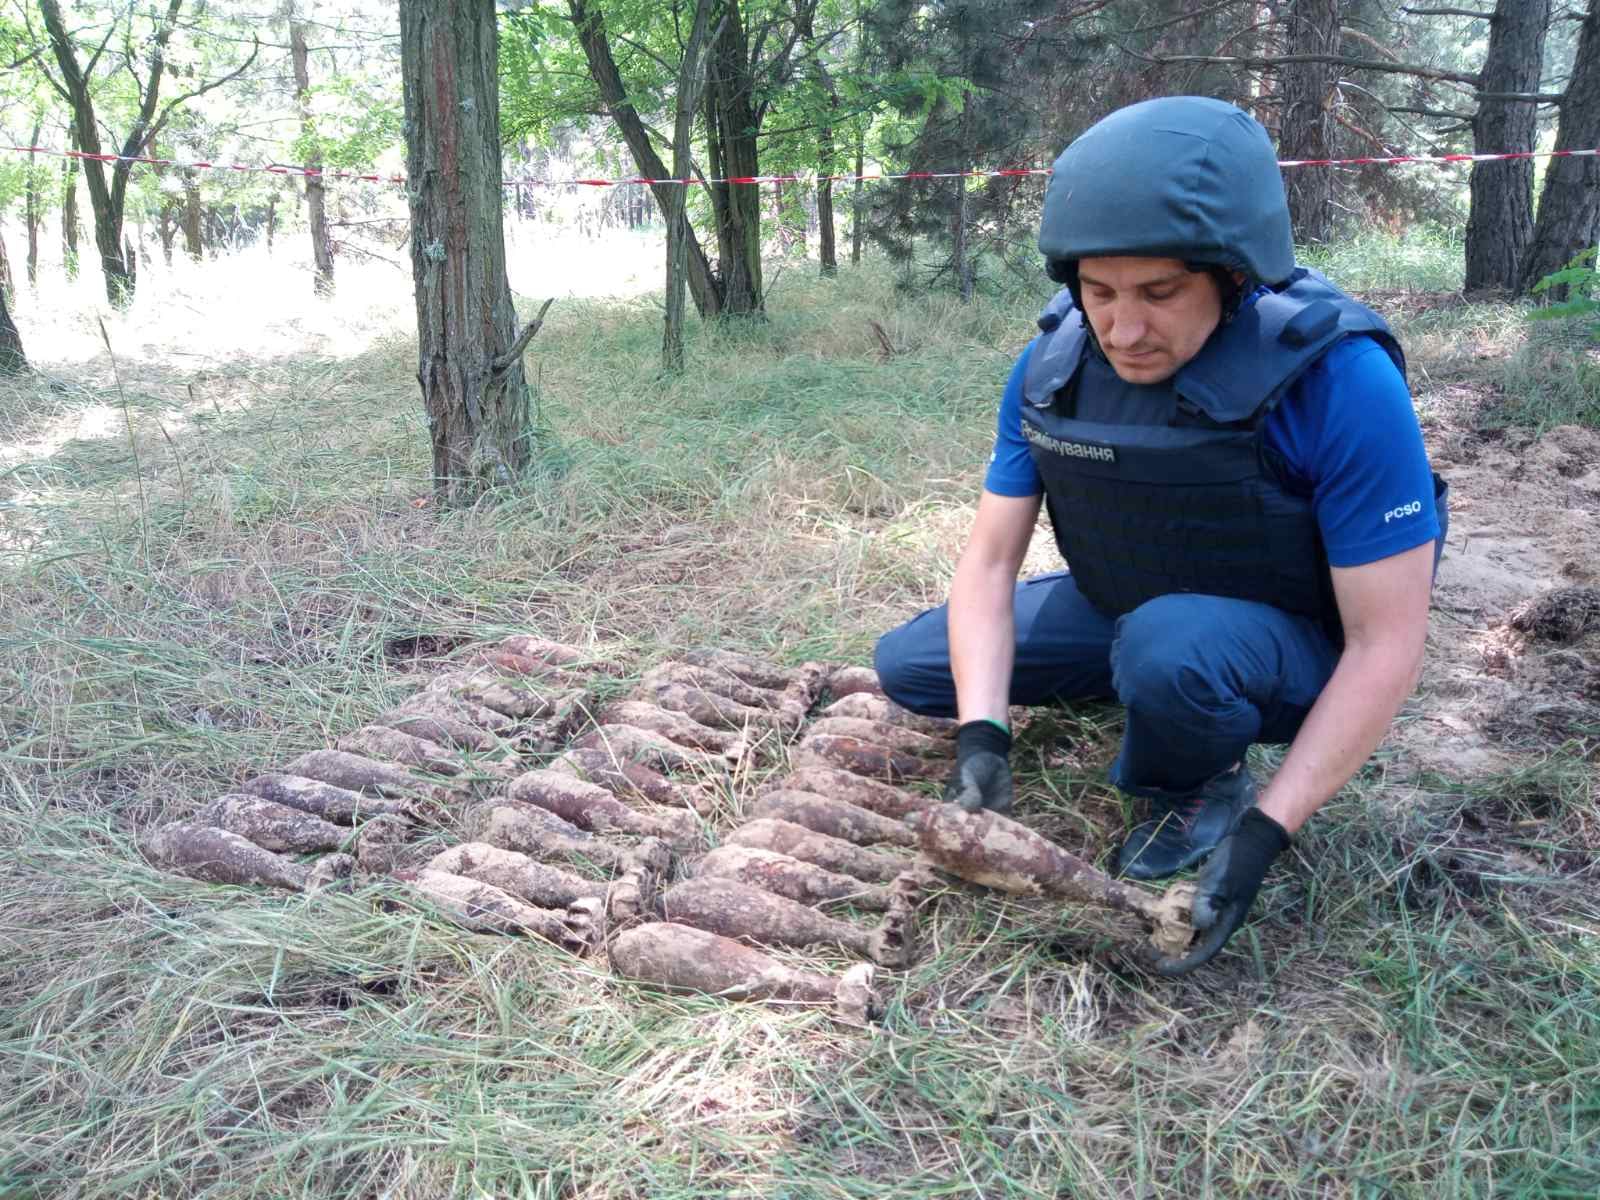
1234 473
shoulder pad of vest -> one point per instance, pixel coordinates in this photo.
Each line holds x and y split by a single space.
1056 311
1056 351
1249 363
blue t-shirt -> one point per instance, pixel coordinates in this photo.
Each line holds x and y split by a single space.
1346 431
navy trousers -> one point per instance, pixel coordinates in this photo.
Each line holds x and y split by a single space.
1201 677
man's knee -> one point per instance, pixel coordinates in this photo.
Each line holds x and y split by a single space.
1160 661
914 673
888 660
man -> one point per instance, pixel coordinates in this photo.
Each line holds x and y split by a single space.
1234 473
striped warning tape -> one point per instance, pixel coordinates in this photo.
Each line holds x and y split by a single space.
865 177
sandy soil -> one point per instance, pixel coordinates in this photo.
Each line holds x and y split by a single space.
1513 664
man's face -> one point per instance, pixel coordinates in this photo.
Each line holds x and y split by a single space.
1151 315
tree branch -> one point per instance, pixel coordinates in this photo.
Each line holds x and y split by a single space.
41 47
1448 12
1368 40
778 68
647 52
1281 60
166 112
504 362
55 84
148 99
18 63
1438 114
94 59
1523 97
1193 15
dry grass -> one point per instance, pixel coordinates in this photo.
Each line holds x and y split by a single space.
1413 1013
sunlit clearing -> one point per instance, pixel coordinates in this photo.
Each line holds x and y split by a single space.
256 304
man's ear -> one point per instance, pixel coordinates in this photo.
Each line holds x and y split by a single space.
1238 278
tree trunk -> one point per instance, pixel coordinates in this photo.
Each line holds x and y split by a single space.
1569 207
780 222
166 227
855 200
316 196
69 209
272 220
12 360
1306 129
469 355
960 250
77 82
106 198
691 80
825 232
703 285
7 283
107 216
826 250
1500 220
108 240
796 215
31 218
31 208
193 243
731 132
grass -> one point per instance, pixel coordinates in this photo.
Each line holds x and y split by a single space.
1426 258
1413 1013
1554 379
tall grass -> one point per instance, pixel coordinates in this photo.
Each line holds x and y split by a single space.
1554 379
1426 258
1412 1013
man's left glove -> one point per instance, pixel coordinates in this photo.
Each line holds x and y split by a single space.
982 778
1226 887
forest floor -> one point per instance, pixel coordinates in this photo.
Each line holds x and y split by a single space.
219 550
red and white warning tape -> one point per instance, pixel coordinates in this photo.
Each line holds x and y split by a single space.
871 176
1397 159
269 169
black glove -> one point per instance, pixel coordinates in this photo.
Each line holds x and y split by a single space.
982 778
1226 887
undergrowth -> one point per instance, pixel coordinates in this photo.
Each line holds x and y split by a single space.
207 571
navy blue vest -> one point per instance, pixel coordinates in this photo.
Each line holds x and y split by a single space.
1162 488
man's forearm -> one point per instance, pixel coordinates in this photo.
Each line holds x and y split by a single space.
982 642
1344 727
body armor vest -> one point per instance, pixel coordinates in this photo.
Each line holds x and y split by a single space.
1162 488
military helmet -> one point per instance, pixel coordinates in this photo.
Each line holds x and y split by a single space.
1182 177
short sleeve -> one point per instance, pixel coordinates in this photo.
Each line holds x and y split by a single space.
1011 471
1348 430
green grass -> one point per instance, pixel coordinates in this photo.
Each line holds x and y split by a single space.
1553 380
1412 1013
1423 258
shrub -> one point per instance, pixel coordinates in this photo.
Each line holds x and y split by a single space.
1578 284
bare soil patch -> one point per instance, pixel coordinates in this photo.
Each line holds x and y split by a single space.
1514 650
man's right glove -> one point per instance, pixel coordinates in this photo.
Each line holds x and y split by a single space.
1226 887
982 778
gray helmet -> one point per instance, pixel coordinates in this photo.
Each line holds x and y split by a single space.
1181 177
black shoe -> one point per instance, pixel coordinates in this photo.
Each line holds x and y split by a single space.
1184 829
